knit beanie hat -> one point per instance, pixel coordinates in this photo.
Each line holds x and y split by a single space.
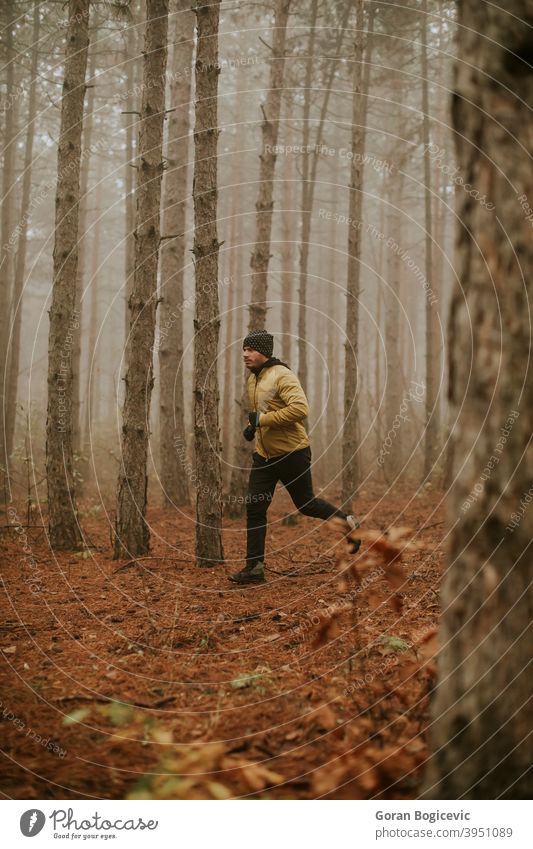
260 341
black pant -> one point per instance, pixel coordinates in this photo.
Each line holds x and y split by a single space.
294 471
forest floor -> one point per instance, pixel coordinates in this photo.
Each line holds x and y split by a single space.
160 679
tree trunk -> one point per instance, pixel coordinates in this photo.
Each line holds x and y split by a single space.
350 437
261 254
309 171
390 453
130 52
287 242
20 261
231 345
306 201
90 412
240 450
481 714
265 204
171 412
6 223
64 531
82 231
209 549
432 424
333 348
132 533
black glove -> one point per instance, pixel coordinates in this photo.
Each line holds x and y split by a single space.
253 418
249 433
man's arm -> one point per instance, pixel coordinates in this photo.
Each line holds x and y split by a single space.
296 409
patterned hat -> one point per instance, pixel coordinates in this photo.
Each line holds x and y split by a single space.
260 341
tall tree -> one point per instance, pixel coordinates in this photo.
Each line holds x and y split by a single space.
310 159
64 531
6 221
431 446
131 62
361 79
171 410
395 182
481 714
92 371
306 200
261 255
287 242
267 159
232 368
207 320
132 534
82 241
20 260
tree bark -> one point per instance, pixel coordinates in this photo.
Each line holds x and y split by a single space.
171 411
209 549
350 437
265 204
20 260
132 533
64 531
481 718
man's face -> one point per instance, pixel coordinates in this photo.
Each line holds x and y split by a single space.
253 359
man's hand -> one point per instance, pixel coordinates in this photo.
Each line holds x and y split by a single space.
249 433
253 418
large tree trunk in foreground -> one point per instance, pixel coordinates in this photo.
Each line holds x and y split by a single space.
209 550
267 159
132 533
171 410
63 523
481 720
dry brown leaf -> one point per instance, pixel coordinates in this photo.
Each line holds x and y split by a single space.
325 718
327 630
257 777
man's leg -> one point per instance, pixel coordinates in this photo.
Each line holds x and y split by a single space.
261 486
295 474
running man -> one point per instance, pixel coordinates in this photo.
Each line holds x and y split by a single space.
282 451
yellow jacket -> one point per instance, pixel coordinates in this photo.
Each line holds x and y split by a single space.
277 394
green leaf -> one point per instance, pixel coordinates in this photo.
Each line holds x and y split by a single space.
76 716
119 713
395 643
245 680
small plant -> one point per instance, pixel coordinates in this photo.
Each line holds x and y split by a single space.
394 643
